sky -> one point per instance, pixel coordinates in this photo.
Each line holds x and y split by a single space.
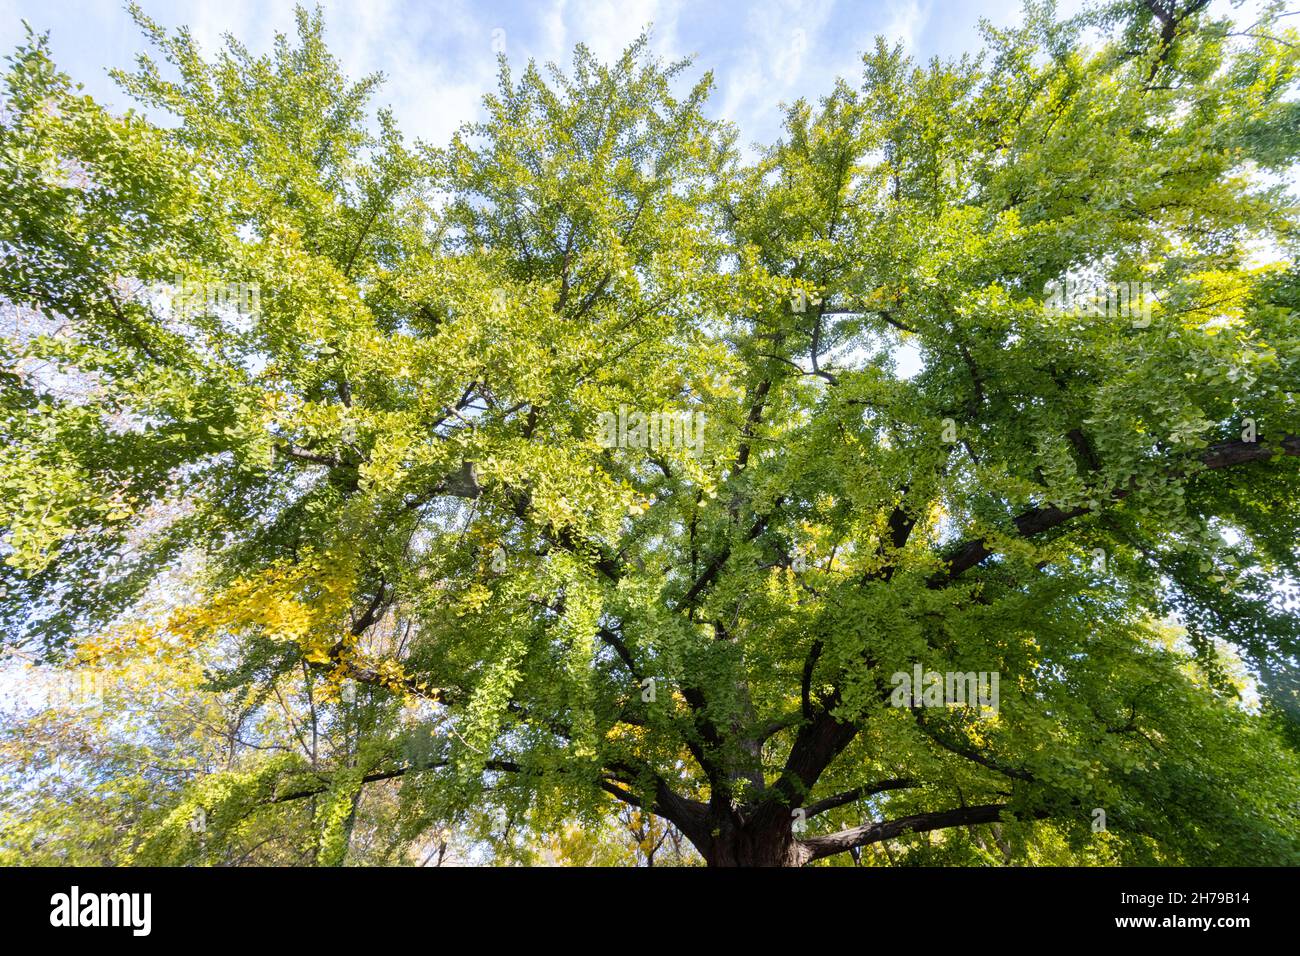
440 55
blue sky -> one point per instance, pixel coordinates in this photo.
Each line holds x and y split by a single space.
439 55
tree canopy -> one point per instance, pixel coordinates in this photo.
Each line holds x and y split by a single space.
592 468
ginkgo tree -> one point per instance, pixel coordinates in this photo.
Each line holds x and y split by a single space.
279 383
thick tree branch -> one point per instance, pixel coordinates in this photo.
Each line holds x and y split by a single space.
815 848
858 793
1038 520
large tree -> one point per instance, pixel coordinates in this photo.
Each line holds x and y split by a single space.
386 461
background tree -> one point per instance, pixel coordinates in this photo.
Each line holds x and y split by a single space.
388 473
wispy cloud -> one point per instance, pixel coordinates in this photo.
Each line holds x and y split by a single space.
906 21
606 28
772 60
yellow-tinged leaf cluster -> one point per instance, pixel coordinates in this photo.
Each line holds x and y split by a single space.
303 603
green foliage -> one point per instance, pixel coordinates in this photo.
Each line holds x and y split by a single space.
374 500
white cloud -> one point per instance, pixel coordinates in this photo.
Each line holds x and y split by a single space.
774 63
554 39
606 28
906 21
437 61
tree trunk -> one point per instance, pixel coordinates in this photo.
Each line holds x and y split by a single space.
755 845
